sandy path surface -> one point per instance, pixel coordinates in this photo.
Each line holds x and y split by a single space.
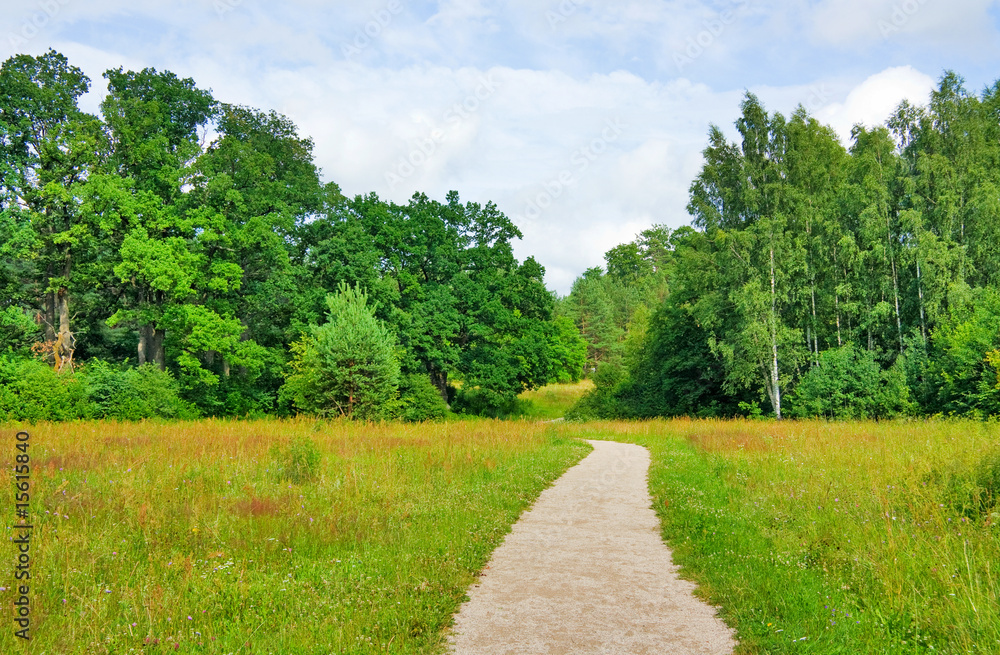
585 571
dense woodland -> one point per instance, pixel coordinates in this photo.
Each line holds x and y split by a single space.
815 280
177 256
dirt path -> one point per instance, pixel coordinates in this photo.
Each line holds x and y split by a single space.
585 571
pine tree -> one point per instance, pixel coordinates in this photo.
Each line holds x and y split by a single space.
347 366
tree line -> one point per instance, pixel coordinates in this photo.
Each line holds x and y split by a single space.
814 280
178 256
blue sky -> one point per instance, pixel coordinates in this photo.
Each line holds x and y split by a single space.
584 120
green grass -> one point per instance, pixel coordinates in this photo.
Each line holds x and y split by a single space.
311 537
833 538
552 401
233 537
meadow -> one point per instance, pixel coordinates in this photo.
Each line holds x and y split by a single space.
819 537
313 537
551 401
266 536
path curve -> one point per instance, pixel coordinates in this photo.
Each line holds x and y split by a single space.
585 571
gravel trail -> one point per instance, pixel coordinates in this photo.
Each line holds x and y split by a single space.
585 571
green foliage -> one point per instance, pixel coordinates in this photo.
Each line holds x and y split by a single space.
603 401
129 236
848 383
298 462
591 306
17 330
852 283
347 366
445 279
675 372
961 370
32 391
420 400
568 351
484 402
132 394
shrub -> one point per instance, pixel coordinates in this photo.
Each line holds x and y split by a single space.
569 351
849 384
31 391
132 394
420 400
17 330
485 402
602 401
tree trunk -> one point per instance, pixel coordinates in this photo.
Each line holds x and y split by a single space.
145 333
836 298
895 289
920 292
151 346
774 390
836 302
65 344
895 280
159 357
50 316
440 380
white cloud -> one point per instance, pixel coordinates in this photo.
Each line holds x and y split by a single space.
873 101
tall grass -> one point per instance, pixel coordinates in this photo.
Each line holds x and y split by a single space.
267 536
552 401
833 537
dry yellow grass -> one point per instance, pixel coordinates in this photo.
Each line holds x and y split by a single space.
152 536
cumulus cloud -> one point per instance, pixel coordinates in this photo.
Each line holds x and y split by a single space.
873 101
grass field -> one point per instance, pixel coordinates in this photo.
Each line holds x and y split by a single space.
265 537
552 401
834 538
310 537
